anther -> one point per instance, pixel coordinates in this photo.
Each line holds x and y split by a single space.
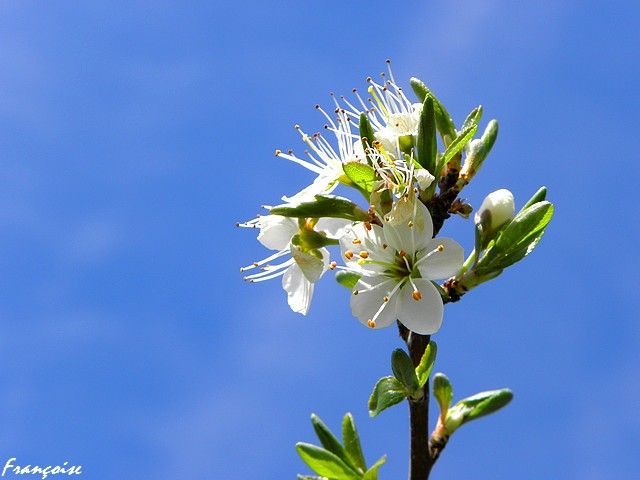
384 245
278 152
416 295
348 254
357 241
364 254
367 225
385 299
333 265
402 253
371 323
440 248
355 292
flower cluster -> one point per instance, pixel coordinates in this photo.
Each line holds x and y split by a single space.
383 146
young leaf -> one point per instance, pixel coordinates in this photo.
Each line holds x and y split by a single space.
323 206
325 463
427 144
445 125
457 145
473 118
372 473
361 175
351 441
485 403
423 370
328 439
366 133
347 279
443 391
386 393
403 370
539 196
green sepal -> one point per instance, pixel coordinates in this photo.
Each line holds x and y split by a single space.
347 279
325 463
444 123
427 143
539 196
518 238
363 176
323 206
328 439
372 473
423 370
387 392
442 391
403 370
351 441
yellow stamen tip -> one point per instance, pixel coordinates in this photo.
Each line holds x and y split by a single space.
416 295
440 248
364 254
348 254
371 323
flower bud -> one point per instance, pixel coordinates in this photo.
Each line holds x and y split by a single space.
496 210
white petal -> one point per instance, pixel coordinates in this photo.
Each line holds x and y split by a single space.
423 177
311 266
441 264
276 231
400 234
321 185
422 316
370 298
333 227
299 289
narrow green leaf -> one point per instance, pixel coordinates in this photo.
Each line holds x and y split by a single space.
445 125
361 175
457 145
403 370
347 279
367 136
323 206
328 439
386 393
423 370
443 391
372 473
485 403
427 144
351 441
539 196
473 118
325 463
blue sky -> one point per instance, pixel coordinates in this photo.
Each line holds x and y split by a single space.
133 135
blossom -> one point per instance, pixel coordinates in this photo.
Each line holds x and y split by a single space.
497 209
303 267
397 262
323 159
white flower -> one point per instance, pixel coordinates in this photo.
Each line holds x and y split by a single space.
325 160
497 209
397 262
303 268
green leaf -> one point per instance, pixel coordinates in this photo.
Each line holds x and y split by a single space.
518 238
423 370
539 196
347 279
457 145
386 393
482 148
473 118
445 125
351 441
361 175
325 463
328 439
427 144
443 391
485 403
403 370
366 132
323 206
372 473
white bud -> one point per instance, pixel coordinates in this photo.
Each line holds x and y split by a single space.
497 209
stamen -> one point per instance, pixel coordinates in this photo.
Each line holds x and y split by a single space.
333 265
416 295
357 241
364 254
440 248
402 253
355 292
385 299
348 254
371 323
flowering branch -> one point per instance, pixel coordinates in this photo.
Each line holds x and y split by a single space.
385 148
